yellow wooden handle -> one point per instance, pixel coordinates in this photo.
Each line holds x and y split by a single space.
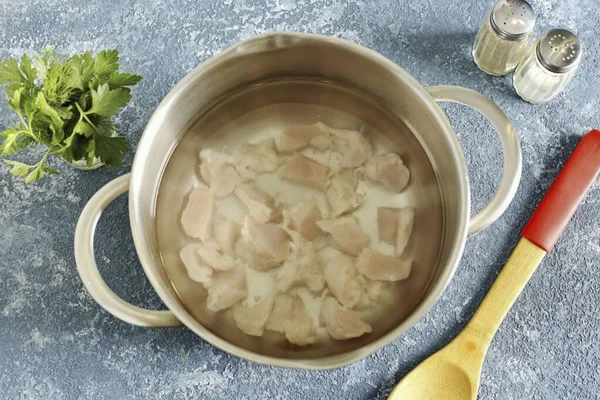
520 266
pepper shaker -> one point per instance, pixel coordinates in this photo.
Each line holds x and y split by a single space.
548 66
503 36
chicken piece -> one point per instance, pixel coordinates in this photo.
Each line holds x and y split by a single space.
387 224
406 219
371 292
225 289
303 170
284 305
346 234
252 320
340 322
395 226
226 234
289 316
303 219
378 266
389 171
302 268
219 172
342 280
341 193
260 157
352 145
259 203
212 256
264 246
296 138
197 216
299 328
195 266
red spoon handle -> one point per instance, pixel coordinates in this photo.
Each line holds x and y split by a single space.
568 190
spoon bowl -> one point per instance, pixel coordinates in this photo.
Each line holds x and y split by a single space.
454 383
450 374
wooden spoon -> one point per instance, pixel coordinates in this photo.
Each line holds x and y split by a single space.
453 372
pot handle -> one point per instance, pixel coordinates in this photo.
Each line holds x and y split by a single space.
88 270
510 147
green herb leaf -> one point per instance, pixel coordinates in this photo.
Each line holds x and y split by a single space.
51 170
111 150
107 62
107 102
123 79
36 174
10 72
83 128
82 70
14 101
14 141
42 61
74 148
27 68
18 169
91 152
49 111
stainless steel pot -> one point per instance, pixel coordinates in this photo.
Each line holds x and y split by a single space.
297 56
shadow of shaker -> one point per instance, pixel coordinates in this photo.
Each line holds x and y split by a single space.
450 51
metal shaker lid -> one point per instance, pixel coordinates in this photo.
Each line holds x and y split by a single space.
559 50
512 19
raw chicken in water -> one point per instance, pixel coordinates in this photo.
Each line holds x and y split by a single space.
387 224
389 171
302 268
346 234
212 256
225 289
375 265
372 291
196 268
289 316
197 216
352 145
304 171
260 157
341 193
258 202
295 246
406 219
226 234
299 328
219 172
252 320
282 310
299 137
342 280
340 322
303 219
263 246
395 226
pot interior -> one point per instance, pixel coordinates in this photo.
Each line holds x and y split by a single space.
260 111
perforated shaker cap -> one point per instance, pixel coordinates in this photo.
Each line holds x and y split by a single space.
512 19
559 50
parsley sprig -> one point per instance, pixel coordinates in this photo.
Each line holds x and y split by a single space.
68 106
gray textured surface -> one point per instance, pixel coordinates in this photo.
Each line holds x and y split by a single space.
56 343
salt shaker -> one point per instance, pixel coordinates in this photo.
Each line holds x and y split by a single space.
548 66
503 36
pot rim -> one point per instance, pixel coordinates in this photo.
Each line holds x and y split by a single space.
436 288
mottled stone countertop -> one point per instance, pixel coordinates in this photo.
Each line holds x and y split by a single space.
57 343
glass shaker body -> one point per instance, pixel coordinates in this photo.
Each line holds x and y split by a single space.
494 54
535 80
